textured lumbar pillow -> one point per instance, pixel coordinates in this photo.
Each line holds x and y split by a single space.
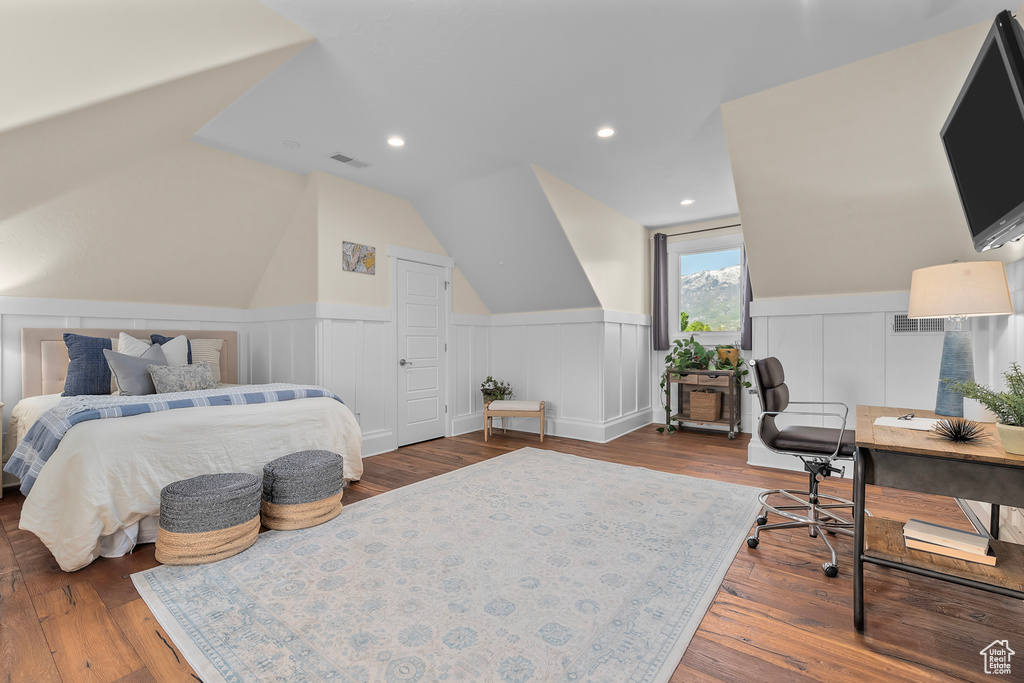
132 373
167 378
88 372
175 348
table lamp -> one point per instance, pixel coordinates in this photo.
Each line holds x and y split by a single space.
958 291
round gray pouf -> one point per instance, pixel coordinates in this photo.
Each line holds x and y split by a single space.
208 518
302 489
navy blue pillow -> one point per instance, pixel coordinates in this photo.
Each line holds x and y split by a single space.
161 340
88 372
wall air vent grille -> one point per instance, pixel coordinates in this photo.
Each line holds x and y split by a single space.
901 324
349 161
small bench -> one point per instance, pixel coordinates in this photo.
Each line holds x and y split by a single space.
505 409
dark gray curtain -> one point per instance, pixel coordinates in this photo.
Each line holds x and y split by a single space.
746 333
660 312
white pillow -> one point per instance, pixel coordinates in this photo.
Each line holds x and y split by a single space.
176 350
130 346
207 350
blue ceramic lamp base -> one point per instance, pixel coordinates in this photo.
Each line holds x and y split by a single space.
957 365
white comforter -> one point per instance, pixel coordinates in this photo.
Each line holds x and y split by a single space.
107 474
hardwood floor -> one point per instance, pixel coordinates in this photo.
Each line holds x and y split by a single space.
776 616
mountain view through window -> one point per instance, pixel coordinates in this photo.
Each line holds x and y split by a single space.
709 291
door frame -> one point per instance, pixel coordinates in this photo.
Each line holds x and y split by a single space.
396 252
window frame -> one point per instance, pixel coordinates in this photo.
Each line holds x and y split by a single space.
701 245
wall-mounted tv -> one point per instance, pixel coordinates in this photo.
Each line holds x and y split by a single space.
984 138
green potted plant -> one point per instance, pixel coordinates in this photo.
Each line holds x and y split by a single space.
739 367
689 354
728 353
1007 405
495 390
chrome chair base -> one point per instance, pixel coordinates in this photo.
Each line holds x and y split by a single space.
808 509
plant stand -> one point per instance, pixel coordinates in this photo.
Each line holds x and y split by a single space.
724 381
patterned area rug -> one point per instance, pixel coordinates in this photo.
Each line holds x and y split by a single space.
532 566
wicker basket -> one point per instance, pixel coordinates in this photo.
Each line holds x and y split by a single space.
705 405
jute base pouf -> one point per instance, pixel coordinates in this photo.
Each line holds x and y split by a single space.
302 489
208 518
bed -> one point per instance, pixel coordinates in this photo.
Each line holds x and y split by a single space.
99 491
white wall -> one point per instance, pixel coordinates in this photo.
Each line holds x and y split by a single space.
590 367
842 175
843 349
1004 345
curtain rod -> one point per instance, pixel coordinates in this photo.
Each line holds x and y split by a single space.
694 232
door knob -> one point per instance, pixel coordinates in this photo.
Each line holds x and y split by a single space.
404 362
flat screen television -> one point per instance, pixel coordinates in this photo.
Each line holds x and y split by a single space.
984 138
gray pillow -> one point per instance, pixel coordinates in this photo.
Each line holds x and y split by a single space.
171 378
132 373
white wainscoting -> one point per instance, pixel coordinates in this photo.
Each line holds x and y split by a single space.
1003 344
590 367
850 355
17 313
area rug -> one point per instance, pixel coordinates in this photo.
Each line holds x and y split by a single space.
532 566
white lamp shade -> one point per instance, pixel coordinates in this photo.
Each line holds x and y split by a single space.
966 289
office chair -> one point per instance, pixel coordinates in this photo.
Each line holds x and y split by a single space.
817 447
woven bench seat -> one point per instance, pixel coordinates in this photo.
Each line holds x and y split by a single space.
505 409
302 489
208 518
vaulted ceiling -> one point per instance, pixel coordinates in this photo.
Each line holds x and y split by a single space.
476 88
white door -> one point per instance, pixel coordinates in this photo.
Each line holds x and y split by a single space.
421 352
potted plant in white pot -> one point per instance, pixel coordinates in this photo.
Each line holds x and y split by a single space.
1007 405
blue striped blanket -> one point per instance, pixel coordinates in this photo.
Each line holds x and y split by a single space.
45 435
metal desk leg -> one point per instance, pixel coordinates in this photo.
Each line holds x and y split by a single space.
858 541
993 523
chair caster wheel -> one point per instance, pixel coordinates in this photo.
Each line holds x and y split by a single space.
830 570
752 542
762 520
732 435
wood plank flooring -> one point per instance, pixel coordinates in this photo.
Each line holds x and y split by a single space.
776 617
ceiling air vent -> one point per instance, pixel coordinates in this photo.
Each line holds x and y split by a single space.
354 163
901 324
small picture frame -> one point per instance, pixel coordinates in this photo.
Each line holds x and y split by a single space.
358 258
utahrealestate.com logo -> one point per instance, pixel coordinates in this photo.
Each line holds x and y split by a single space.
997 657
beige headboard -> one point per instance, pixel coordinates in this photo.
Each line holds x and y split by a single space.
44 357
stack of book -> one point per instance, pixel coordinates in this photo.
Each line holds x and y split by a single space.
941 540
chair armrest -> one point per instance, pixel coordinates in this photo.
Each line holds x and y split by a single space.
846 408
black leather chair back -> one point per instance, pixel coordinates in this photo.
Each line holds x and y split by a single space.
770 379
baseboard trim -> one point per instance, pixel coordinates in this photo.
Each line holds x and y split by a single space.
464 424
381 441
581 430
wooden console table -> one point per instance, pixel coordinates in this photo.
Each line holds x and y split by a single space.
913 460
725 382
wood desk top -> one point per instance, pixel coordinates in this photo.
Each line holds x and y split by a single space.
987 449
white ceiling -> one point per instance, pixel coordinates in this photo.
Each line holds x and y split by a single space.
478 86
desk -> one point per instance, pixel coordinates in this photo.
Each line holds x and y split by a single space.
921 461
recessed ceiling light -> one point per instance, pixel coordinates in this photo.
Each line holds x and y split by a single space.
687 202
606 132
396 141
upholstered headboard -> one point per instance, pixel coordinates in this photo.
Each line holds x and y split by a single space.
44 357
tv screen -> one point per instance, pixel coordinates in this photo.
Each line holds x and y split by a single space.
984 138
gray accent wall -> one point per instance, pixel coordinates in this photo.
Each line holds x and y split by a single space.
506 239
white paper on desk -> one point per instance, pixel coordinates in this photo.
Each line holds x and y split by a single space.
922 424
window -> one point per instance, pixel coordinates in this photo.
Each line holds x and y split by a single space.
706 294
